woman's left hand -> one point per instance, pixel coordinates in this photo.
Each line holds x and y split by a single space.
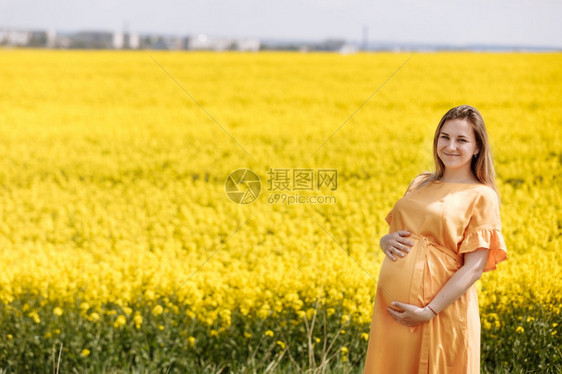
411 315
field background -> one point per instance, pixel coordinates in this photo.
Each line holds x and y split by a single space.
112 201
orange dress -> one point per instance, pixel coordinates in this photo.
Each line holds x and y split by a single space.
445 220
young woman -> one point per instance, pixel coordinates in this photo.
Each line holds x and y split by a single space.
444 233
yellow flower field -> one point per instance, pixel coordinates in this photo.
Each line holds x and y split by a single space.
114 215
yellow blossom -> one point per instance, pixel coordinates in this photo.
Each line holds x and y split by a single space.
137 319
120 321
310 313
35 317
191 341
94 317
157 310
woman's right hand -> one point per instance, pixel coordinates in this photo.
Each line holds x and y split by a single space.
396 244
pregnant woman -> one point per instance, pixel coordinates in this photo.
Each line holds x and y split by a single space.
444 233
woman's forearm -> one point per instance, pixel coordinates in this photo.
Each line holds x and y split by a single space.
455 287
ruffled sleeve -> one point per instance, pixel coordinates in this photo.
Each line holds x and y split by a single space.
484 230
389 217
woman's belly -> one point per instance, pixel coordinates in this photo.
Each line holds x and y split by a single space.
419 275
395 278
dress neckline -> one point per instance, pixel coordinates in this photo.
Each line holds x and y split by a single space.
467 184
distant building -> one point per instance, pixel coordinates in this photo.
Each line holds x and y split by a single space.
118 40
62 41
125 40
134 41
28 38
160 44
250 45
38 39
51 38
347 49
92 40
15 37
203 42
329 45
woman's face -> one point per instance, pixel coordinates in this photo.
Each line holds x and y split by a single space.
456 144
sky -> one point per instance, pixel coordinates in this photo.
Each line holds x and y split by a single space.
454 22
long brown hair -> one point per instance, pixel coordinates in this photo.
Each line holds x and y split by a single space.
482 165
